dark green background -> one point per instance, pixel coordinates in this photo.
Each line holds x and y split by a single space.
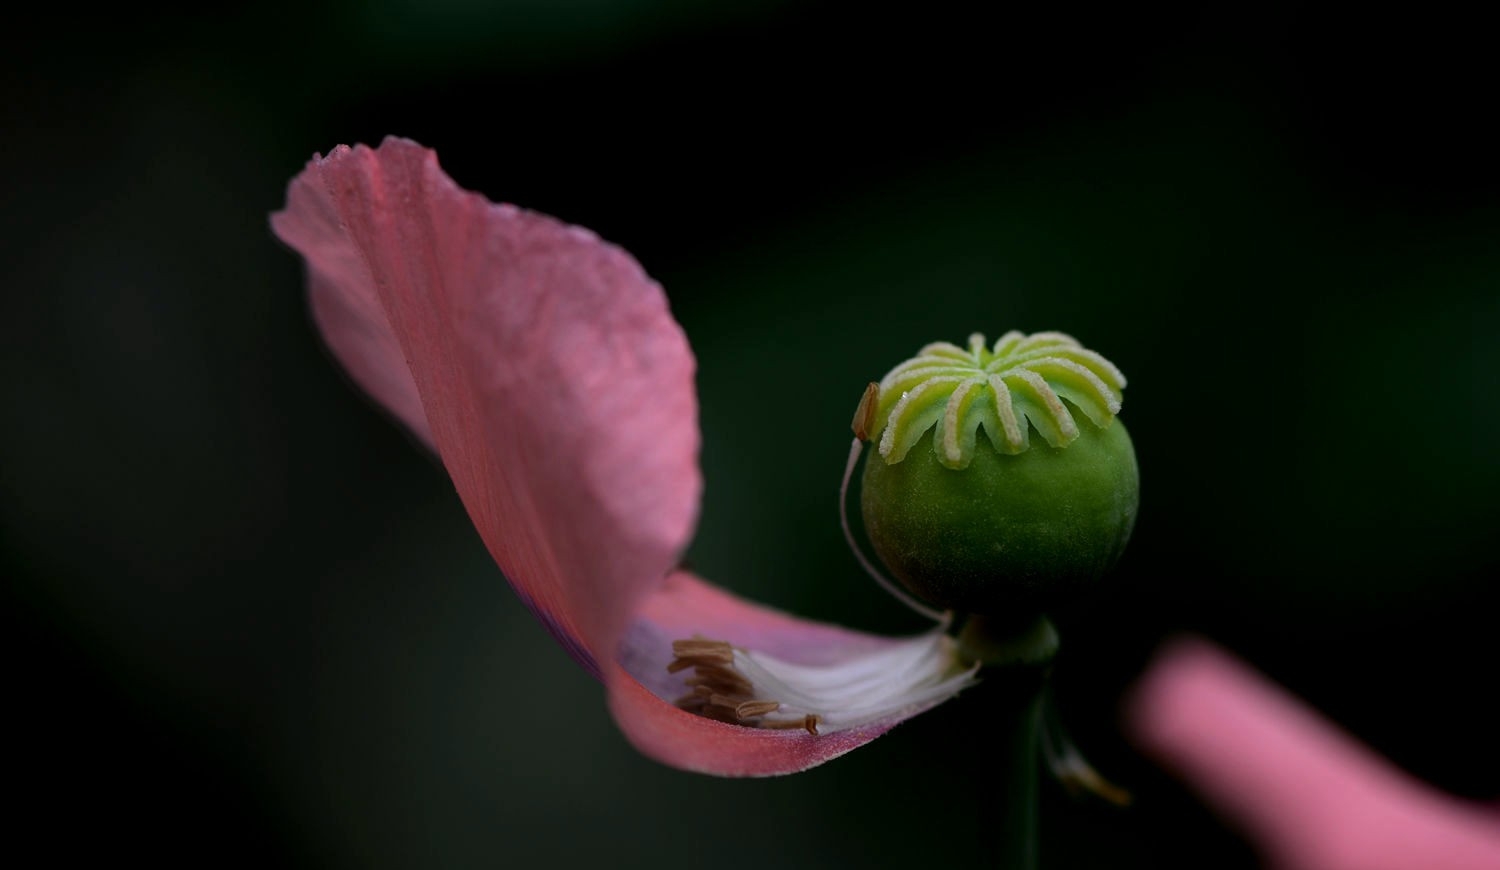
249 622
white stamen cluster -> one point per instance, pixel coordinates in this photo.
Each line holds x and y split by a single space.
1017 384
750 688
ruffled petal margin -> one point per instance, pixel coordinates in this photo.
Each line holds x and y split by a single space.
541 364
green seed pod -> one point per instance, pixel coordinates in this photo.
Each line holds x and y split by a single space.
1010 524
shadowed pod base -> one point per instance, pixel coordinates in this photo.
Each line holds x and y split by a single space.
1010 534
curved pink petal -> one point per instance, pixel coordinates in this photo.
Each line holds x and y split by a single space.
345 302
544 368
541 363
1313 797
686 606
661 731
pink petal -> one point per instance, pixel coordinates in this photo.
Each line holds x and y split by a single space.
690 742
541 363
544 368
1309 794
344 300
686 606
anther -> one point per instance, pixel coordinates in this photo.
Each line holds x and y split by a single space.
751 709
721 692
719 680
758 690
864 415
698 648
808 723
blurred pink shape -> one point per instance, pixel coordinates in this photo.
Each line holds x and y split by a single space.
1309 795
544 368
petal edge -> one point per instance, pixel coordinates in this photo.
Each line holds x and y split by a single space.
551 378
685 606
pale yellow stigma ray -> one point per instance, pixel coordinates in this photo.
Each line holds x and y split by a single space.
1024 382
1014 433
913 414
955 434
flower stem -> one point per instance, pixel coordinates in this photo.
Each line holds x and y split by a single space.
1018 660
1020 795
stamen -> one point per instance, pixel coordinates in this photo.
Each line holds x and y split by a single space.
752 709
810 723
759 691
708 650
864 415
719 680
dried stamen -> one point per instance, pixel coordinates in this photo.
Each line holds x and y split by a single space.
721 692
755 690
808 723
717 679
700 649
864 415
755 709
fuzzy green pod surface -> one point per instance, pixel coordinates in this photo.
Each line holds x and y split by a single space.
1022 519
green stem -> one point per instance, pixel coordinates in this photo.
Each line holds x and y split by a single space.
1019 786
1017 658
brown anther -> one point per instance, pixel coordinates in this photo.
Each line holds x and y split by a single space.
708 650
726 682
728 702
719 714
722 693
808 723
864 415
752 709
718 671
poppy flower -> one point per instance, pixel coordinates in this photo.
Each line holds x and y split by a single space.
544 369
1312 797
